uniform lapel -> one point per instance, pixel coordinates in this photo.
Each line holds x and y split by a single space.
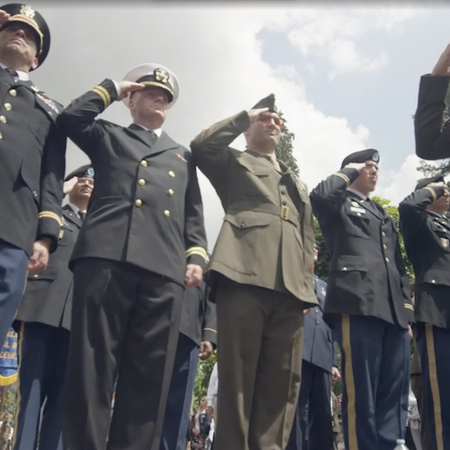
70 215
372 208
163 142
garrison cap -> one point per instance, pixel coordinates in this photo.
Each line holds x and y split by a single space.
28 15
362 156
153 74
426 181
83 171
267 102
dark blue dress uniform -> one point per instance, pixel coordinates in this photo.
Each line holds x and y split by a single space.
144 224
43 326
368 304
32 166
427 241
319 356
198 324
431 124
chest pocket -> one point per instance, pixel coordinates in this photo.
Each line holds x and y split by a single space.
357 220
442 235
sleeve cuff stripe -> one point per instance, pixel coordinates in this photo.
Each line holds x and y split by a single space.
50 215
197 251
409 306
209 329
433 193
344 177
103 94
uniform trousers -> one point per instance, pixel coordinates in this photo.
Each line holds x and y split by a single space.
375 378
42 355
13 274
313 432
434 344
176 419
125 323
419 390
259 366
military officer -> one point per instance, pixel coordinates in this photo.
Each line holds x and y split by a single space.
142 241
367 303
261 275
426 231
319 367
431 121
32 157
43 325
197 339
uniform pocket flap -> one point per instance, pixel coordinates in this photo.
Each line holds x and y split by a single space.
50 273
435 277
253 168
249 219
349 262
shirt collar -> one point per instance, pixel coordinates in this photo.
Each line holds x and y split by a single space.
158 131
75 208
359 194
24 76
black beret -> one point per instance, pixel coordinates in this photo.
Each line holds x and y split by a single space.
267 102
426 181
29 16
83 171
362 156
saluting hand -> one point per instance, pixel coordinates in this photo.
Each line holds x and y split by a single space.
442 67
39 259
128 86
357 166
4 17
206 350
193 275
68 185
253 114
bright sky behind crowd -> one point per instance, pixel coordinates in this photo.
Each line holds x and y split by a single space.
345 77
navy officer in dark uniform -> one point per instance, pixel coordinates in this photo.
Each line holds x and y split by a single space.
367 303
32 157
142 242
313 429
426 230
43 326
197 339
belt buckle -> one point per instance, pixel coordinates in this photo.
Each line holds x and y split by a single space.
284 212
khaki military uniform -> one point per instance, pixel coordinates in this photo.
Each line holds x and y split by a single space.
261 275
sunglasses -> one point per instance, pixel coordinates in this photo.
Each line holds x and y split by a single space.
264 118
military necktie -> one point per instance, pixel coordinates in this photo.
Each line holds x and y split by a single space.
81 215
273 160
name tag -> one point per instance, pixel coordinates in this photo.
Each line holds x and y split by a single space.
358 210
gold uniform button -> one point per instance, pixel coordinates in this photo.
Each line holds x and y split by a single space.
385 246
13 92
36 276
172 174
138 202
1 136
2 119
144 163
170 192
167 213
141 182
344 269
433 281
8 106
383 234
387 259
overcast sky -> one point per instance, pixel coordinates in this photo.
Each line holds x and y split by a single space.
346 78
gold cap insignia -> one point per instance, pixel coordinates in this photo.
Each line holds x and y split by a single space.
445 242
27 11
161 75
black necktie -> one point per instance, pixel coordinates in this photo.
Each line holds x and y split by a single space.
81 215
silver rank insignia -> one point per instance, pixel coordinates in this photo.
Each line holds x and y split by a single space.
445 242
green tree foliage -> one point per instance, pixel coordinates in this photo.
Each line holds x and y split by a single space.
202 379
285 148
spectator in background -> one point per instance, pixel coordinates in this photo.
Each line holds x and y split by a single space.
199 427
